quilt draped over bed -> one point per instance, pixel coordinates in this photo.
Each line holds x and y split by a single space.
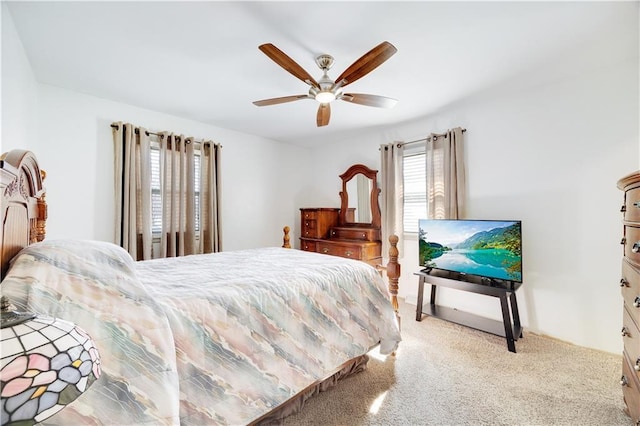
221 338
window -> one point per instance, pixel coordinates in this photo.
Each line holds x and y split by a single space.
169 216
415 190
156 198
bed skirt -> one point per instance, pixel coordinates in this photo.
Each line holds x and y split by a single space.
296 403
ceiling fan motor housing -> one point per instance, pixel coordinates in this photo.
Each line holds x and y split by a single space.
325 62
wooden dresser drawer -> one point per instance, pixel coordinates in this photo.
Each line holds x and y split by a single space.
631 339
630 288
630 390
359 251
632 205
309 214
352 233
307 245
632 244
309 228
350 251
635 366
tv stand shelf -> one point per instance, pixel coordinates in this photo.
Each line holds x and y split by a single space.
510 327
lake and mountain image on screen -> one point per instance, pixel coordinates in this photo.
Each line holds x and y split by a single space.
485 248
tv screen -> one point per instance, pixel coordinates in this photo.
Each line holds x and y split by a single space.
486 248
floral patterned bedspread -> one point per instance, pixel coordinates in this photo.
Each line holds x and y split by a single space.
206 339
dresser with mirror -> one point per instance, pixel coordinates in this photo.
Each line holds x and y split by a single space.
353 230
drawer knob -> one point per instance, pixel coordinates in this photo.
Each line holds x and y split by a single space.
636 247
623 241
333 232
364 235
325 250
625 332
624 381
623 208
624 283
637 366
348 253
636 302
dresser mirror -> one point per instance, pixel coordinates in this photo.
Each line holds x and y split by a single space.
359 197
359 194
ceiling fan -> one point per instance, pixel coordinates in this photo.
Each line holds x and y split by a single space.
326 90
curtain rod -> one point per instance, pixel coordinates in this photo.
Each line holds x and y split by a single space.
137 131
148 133
437 135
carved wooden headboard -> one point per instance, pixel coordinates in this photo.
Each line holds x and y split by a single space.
23 206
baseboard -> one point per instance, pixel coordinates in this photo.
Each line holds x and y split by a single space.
411 300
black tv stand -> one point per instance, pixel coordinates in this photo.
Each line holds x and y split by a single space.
510 327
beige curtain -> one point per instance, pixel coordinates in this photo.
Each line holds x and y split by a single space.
132 189
445 172
190 204
210 233
392 202
177 165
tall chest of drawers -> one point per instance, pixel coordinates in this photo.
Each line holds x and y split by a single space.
630 286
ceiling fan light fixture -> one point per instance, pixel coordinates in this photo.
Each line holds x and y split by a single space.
325 96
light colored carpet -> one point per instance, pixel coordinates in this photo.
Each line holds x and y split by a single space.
447 374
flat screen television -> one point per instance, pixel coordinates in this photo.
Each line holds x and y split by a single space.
485 248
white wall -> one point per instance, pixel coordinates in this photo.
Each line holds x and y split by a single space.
546 148
18 89
75 147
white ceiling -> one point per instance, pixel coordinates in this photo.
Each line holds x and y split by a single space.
200 60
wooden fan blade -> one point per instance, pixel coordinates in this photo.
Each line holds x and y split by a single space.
369 100
324 114
274 101
281 58
367 63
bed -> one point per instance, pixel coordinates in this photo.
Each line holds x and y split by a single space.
239 337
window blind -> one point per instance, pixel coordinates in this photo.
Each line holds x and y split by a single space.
156 193
415 191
